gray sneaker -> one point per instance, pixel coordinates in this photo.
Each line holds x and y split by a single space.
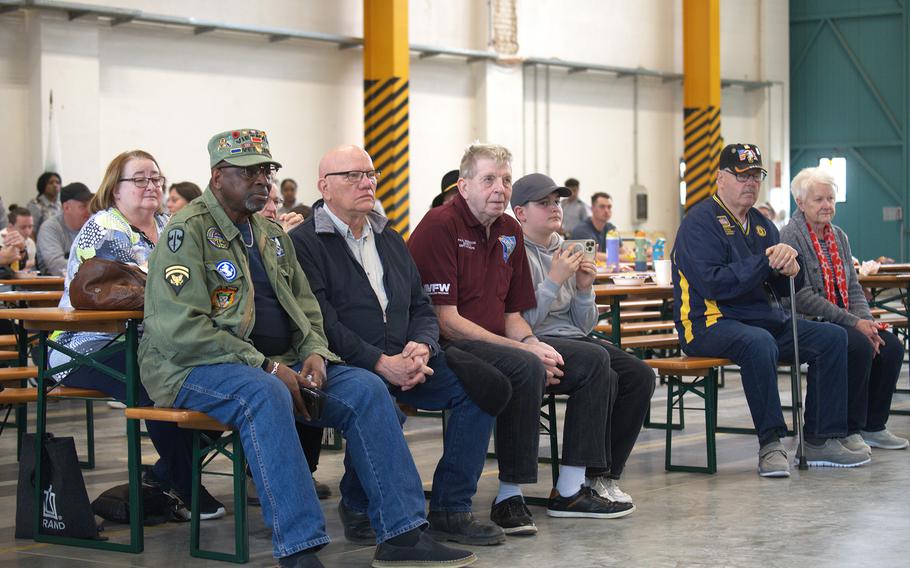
855 443
885 440
608 488
772 461
833 454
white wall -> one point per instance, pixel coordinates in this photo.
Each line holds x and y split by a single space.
167 90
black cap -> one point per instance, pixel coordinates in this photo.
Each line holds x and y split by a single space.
738 158
449 181
77 191
449 184
534 187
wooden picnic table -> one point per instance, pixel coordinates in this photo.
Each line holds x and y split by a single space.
47 320
616 294
894 267
34 283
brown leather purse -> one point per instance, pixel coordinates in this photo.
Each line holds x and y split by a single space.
102 284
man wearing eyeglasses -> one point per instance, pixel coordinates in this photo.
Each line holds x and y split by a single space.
378 317
730 271
232 329
473 265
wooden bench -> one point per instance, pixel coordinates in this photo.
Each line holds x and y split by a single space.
9 341
635 328
11 374
702 372
9 396
205 448
653 341
20 396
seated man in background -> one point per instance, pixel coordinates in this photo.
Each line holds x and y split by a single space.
566 314
22 222
287 220
378 317
730 271
233 330
58 233
574 209
12 247
598 224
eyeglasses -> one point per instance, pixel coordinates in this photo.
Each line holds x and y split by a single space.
143 182
548 204
744 177
489 180
252 172
354 176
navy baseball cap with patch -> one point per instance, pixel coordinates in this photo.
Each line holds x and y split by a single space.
534 187
738 158
242 147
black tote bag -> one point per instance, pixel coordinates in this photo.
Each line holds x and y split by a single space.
65 509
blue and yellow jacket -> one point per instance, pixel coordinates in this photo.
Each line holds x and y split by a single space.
720 271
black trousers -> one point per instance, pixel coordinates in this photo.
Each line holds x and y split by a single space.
625 417
871 380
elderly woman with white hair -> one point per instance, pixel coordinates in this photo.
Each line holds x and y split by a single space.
832 293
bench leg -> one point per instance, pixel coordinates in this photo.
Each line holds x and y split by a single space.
669 425
706 389
201 457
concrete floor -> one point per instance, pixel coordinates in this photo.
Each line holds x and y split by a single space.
856 517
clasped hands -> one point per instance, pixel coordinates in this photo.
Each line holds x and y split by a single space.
407 369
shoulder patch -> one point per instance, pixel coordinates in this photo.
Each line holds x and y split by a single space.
175 239
227 270
177 276
224 297
216 238
508 245
279 248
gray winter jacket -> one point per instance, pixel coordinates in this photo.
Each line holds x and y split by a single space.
561 310
810 299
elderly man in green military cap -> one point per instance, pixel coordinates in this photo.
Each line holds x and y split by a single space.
248 359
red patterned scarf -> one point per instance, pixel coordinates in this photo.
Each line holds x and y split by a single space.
832 277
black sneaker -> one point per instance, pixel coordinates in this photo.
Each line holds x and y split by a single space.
209 507
463 527
426 553
323 491
513 516
586 504
357 528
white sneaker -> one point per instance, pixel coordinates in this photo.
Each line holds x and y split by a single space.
608 488
885 440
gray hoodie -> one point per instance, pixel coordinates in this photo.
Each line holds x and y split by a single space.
561 310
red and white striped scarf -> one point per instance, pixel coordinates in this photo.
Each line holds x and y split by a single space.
832 277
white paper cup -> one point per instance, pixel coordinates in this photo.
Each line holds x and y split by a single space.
663 272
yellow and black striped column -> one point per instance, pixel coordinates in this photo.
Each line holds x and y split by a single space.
385 103
701 96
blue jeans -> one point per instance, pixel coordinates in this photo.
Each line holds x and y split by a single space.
358 404
757 351
467 434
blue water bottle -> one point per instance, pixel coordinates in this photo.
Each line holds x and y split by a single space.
657 251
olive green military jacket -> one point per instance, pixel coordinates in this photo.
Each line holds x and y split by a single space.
199 306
